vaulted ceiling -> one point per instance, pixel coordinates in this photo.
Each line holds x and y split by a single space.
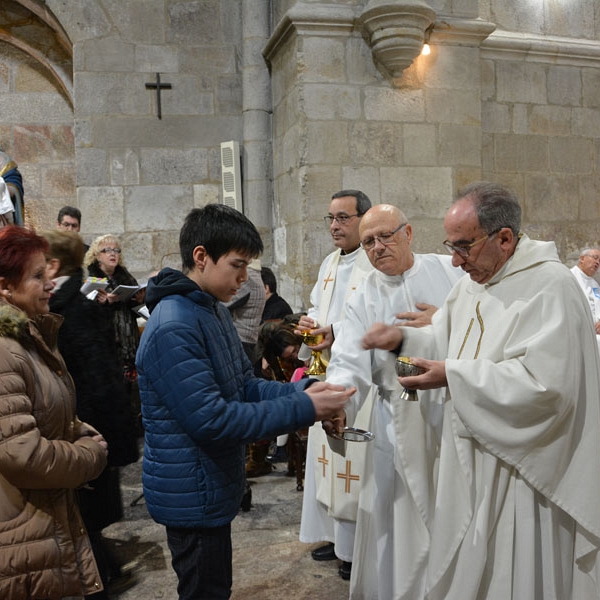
30 26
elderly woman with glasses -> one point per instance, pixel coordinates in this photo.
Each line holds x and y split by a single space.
46 452
105 260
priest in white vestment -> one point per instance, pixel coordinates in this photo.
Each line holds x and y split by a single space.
517 513
339 275
395 502
584 271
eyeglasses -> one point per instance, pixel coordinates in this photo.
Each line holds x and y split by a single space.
464 250
107 250
385 239
341 219
67 226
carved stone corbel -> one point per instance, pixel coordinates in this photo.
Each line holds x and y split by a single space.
395 31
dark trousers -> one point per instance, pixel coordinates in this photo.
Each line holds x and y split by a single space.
202 560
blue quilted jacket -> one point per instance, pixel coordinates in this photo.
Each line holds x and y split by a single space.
201 404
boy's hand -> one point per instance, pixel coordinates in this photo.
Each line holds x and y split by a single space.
328 399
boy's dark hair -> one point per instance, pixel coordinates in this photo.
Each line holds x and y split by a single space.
268 278
69 211
220 229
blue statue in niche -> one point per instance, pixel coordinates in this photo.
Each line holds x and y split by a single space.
14 182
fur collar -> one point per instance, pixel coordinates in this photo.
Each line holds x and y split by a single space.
14 323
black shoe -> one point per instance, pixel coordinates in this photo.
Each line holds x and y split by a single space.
279 456
326 552
120 584
246 502
345 570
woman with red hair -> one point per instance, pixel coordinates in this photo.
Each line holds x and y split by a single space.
45 450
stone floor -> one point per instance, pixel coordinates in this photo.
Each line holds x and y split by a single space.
269 563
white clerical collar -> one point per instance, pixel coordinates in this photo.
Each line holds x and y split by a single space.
587 277
349 256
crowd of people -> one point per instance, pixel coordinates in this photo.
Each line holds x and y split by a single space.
70 418
482 483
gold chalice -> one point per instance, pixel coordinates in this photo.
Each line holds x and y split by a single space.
404 368
318 364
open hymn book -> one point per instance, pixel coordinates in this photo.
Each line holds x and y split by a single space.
93 284
123 292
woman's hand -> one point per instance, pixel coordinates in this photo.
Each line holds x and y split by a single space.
101 441
102 296
140 296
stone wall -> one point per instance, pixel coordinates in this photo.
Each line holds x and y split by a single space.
138 175
339 123
36 116
518 108
509 92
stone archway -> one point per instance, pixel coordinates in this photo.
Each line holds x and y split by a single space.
36 107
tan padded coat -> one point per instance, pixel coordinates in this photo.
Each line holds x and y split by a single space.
45 453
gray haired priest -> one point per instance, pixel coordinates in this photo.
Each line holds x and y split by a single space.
517 514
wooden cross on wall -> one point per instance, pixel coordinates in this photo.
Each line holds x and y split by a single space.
158 86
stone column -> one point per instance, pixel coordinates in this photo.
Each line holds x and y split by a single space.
256 107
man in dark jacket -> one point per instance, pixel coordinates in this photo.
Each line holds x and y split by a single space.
275 306
201 402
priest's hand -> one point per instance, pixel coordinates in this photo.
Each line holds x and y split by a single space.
380 335
307 324
335 425
434 376
328 399
421 317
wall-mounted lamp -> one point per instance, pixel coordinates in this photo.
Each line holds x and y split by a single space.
426 50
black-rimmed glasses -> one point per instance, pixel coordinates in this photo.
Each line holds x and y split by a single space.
341 219
464 250
108 250
383 238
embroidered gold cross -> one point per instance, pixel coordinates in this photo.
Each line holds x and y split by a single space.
348 477
322 459
327 280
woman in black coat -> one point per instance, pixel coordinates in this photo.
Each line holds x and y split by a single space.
87 342
104 260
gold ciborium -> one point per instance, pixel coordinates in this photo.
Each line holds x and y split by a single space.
404 368
318 364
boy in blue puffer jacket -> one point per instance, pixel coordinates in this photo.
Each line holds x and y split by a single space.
201 403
